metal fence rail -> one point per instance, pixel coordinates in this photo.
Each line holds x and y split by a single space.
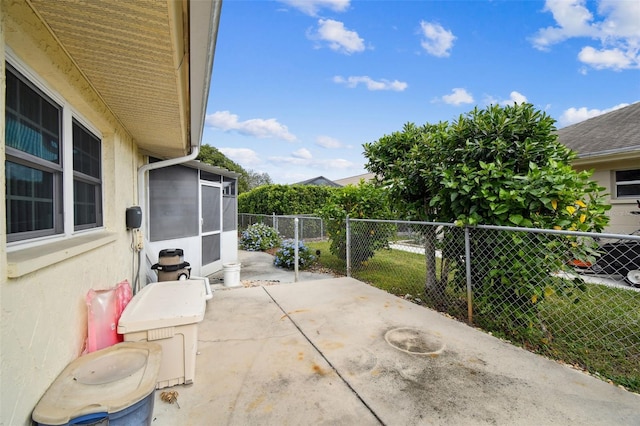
523 284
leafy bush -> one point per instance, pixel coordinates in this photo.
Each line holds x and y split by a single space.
285 256
259 237
496 166
364 201
284 199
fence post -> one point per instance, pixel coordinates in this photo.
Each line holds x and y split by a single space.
295 250
274 221
467 262
301 223
348 246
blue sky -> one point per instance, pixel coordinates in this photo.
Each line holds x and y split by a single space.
299 85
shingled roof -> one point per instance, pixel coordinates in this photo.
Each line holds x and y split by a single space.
615 132
319 180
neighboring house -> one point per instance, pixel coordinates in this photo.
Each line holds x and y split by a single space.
355 180
610 145
319 181
90 91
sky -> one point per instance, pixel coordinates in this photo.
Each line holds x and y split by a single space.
298 86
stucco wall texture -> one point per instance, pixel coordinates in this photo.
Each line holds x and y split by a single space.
622 221
43 313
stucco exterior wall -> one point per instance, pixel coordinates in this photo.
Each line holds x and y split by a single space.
44 314
621 220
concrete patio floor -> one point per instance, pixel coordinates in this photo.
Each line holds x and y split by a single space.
337 351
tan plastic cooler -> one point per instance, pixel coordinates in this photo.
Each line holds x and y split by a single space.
168 314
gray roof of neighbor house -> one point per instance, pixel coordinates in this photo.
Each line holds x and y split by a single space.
319 180
615 132
355 180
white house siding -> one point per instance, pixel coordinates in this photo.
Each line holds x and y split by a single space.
43 318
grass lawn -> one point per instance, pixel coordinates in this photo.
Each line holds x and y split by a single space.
601 333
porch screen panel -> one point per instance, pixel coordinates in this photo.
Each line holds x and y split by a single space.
229 204
173 203
229 213
210 248
210 208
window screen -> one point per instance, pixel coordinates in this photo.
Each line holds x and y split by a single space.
33 166
628 183
210 208
173 203
229 213
87 179
210 248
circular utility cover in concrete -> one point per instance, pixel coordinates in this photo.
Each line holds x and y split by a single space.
414 341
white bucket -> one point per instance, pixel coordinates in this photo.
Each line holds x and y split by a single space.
231 274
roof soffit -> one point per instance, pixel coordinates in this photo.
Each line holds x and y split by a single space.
135 55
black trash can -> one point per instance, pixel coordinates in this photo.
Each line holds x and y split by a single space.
171 265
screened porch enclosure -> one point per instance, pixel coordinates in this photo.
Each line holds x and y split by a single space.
193 207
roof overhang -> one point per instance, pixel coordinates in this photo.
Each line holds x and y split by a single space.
150 62
606 156
194 164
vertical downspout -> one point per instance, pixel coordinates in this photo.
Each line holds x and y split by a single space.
142 200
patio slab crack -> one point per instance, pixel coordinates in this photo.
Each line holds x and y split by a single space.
317 349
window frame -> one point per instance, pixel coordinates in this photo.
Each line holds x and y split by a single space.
87 179
617 184
63 171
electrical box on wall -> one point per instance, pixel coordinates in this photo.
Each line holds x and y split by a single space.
134 217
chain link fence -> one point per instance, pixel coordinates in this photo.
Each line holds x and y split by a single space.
554 292
572 296
310 228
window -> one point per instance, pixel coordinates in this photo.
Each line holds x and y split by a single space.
87 187
35 168
627 183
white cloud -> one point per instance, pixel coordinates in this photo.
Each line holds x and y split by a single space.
515 97
616 29
371 84
328 142
257 127
311 7
437 41
572 18
458 97
576 115
607 58
338 37
244 156
302 153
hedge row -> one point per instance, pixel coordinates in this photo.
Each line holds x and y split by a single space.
284 199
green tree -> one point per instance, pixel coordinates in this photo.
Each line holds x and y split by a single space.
256 179
247 180
365 201
211 155
498 166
